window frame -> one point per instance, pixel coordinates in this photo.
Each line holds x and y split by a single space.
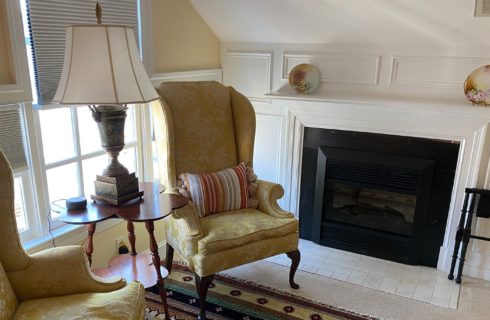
76 159
28 203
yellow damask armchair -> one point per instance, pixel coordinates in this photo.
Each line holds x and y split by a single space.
55 283
203 127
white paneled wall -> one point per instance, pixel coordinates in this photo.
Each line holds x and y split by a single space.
392 89
270 145
337 67
436 72
249 72
267 147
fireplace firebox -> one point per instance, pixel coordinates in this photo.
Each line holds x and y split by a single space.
379 195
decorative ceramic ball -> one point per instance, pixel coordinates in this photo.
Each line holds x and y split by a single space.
304 78
477 86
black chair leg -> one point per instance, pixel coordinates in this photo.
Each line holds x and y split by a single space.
466 239
459 237
202 286
169 257
295 257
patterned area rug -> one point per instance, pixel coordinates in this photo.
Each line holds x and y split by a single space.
230 298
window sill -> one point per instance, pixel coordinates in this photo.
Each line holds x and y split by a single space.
66 235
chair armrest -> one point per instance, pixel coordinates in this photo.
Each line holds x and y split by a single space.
57 272
268 193
190 216
183 231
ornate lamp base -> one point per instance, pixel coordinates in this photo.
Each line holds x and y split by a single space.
116 185
116 190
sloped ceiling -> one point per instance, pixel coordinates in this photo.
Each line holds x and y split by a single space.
434 22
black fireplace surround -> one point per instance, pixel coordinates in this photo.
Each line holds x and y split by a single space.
380 195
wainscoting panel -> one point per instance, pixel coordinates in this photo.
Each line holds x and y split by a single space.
436 72
267 158
270 145
249 72
337 67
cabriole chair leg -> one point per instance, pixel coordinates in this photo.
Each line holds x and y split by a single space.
202 286
295 257
169 257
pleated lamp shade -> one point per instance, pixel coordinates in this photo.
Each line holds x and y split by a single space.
102 66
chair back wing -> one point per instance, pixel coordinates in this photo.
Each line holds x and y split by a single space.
244 121
12 255
197 130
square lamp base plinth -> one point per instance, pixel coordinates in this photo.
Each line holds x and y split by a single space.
116 190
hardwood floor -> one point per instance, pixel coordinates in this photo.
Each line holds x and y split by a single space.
139 267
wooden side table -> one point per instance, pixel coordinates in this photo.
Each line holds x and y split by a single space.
152 207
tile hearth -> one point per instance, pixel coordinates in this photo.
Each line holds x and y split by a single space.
416 282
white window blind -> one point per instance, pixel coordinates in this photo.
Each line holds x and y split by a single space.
48 20
12 138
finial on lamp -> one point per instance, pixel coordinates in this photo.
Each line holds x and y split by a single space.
98 13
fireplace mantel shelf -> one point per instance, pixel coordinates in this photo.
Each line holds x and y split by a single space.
432 114
458 106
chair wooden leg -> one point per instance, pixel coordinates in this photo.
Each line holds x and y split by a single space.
202 286
459 236
295 257
169 257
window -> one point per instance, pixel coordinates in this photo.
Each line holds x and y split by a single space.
72 152
12 144
69 153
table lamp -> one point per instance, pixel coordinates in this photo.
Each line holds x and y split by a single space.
102 69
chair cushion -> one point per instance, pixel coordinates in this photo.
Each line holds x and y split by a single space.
227 230
207 264
125 303
220 191
8 300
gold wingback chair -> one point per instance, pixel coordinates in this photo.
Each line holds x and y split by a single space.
203 127
55 283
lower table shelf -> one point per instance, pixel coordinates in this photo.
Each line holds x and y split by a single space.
136 267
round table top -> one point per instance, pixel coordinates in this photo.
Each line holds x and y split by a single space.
154 205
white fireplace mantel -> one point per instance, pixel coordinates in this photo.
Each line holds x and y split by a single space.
418 118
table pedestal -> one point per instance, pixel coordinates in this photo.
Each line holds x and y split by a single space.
89 241
156 262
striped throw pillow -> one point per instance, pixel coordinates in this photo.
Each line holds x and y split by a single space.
220 191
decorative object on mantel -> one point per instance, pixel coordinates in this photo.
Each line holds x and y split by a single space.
477 86
102 69
304 78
